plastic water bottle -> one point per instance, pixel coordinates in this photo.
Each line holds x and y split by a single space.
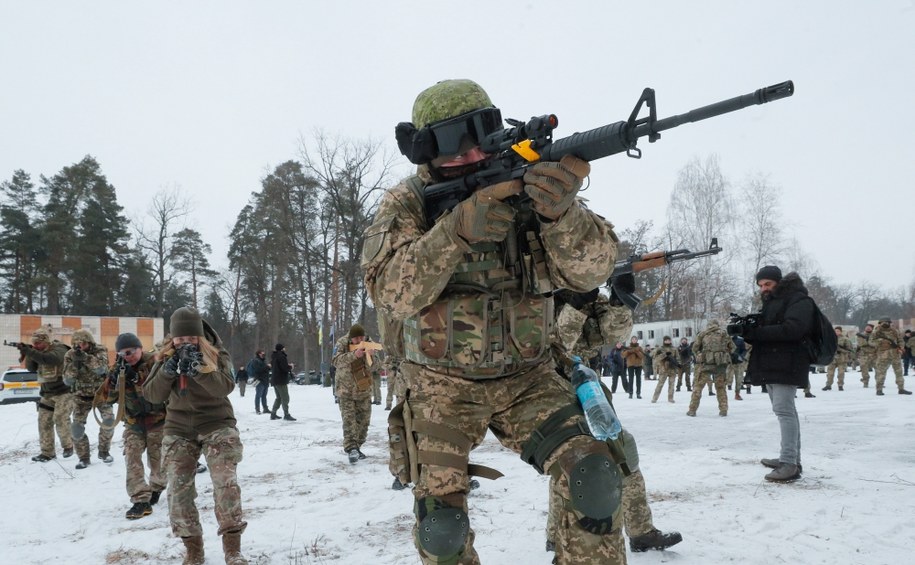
599 414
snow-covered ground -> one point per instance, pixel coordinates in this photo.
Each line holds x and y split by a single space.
306 504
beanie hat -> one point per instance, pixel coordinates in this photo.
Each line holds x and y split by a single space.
279 347
186 321
356 331
769 272
126 341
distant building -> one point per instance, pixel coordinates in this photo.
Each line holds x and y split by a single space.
19 328
652 333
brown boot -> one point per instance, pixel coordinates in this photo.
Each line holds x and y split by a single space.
231 546
737 396
194 546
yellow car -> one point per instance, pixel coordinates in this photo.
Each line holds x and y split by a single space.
19 385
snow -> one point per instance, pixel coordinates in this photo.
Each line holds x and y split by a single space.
305 504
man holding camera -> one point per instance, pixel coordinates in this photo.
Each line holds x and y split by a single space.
780 359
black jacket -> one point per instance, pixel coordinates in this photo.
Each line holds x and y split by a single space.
780 353
281 369
258 369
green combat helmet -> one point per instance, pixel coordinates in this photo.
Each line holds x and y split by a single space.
447 99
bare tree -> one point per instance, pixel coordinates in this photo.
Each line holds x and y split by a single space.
352 175
761 222
701 207
167 210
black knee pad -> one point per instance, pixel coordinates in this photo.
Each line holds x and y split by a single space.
596 492
442 528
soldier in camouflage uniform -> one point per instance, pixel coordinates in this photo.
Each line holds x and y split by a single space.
143 423
712 348
888 343
685 358
867 353
665 359
193 372
46 358
844 351
584 323
396 386
85 367
476 314
354 392
737 366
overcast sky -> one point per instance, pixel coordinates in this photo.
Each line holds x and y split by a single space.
212 95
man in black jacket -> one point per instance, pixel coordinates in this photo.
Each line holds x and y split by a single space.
258 368
282 369
780 359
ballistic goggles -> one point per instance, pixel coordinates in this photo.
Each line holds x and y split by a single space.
446 137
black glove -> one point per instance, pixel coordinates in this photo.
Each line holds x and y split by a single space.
170 367
622 291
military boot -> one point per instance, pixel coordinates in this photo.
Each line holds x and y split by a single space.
194 547
904 391
737 396
397 484
68 452
42 458
827 387
139 510
655 539
105 457
353 455
231 547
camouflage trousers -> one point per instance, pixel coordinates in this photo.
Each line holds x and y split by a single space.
223 451
683 373
833 368
511 408
54 412
82 407
868 363
885 360
376 387
636 512
735 375
704 375
668 376
356 413
135 443
396 387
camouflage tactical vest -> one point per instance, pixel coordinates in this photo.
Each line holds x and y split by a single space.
715 347
492 319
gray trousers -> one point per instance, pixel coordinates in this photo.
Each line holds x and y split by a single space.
782 397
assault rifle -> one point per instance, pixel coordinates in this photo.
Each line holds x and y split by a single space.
16 344
519 147
368 347
638 263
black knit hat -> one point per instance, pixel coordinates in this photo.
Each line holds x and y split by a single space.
356 331
126 341
279 347
186 321
769 272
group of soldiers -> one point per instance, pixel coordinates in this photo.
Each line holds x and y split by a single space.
878 349
77 380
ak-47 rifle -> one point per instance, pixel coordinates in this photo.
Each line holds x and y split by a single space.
519 147
368 347
639 263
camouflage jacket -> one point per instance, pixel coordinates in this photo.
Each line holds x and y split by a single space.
665 357
865 345
845 351
473 310
139 413
353 379
86 368
49 366
713 346
583 333
884 339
